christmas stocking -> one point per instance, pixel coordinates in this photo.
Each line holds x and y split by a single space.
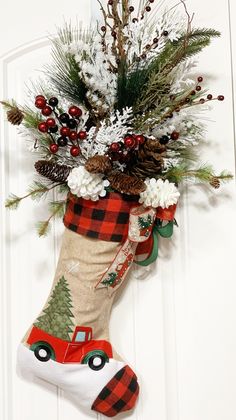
68 344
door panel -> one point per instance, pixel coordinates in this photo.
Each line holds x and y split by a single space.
177 326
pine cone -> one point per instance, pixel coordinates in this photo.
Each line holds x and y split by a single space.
98 164
215 182
148 160
15 116
52 171
126 184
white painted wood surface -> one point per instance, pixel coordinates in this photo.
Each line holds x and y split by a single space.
177 327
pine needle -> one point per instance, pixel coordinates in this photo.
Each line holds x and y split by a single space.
43 228
57 209
36 191
12 202
204 174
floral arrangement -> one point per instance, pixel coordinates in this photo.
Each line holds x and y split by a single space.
119 109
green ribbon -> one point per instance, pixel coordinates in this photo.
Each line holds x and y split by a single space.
164 231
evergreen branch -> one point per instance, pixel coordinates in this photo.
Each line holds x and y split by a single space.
9 104
204 174
12 202
165 108
36 191
31 118
158 74
64 73
43 228
57 209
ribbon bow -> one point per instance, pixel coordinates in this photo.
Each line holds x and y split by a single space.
143 223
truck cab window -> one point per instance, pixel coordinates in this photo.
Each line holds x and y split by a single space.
80 336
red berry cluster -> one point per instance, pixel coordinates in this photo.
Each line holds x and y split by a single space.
64 125
122 151
209 97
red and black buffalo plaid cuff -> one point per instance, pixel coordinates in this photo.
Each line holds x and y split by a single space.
120 394
106 219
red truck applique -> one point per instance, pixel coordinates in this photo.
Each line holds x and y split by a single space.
81 349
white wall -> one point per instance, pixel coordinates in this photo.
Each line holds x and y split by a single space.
186 308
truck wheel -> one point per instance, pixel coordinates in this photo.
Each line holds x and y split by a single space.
42 353
96 362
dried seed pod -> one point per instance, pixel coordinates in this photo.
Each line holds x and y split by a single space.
215 182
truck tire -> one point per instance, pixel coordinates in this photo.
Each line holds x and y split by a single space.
96 362
43 353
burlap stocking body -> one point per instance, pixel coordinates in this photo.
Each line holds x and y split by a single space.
68 345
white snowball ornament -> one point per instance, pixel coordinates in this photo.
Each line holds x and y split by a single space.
86 185
159 193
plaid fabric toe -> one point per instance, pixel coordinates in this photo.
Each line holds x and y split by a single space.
106 219
120 394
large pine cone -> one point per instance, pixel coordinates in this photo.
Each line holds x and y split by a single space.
148 160
52 171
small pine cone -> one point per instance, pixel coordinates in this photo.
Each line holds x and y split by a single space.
126 184
15 116
215 182
52 171
98 164
153 145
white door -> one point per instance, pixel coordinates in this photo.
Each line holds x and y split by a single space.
176 327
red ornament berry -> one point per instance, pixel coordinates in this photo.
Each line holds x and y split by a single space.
103 28
64 131
40 102
198 88
75 151
75 111
114 147
202 101
54 148
140 139
46 111
174 135
131 9
39 96
50 122
193 93
165 33
220 98
82 135
200 79
151 1
148 9
73 135
129 142
209 97
155 40
42 127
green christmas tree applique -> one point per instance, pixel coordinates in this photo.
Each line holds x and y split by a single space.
56 319
110 280
144 224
